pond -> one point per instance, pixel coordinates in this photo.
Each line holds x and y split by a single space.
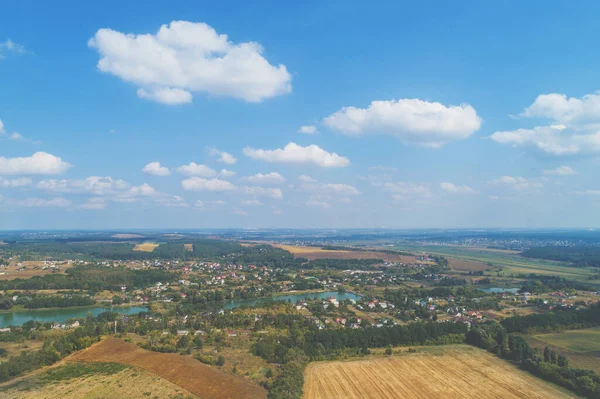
498 290
235 303
60 315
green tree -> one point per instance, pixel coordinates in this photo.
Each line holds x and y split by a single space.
183 342
563 361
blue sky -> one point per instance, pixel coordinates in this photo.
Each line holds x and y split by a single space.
441 114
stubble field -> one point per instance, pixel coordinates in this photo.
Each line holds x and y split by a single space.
146 247
457 372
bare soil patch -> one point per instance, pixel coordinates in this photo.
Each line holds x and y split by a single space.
205 381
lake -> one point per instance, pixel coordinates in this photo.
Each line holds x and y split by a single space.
497 290
60 315
236 303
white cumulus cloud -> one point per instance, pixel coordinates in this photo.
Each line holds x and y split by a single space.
267 178
193 169
155 169
201 184
187 57
573 127
296 154
40 163
414 121
223 157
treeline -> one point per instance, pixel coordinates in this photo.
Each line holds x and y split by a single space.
538 284
325 344
495 338
52 351
303 344
558 319
91 277
265 255
578 256
62 249
289 384
342 264
55 301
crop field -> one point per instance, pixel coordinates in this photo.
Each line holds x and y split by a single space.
188 373
74 380
586 340
312 253
189 247
510 262
146 247
456 372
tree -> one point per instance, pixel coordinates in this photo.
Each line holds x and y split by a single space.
389 351
563 361
197 342
553 358
547 354
183 342
220 361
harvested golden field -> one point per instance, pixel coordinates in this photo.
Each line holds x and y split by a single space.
146 247
92 380
189 247
457 372
312 253
200 379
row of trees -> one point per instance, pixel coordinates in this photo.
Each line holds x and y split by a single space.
553 320
494 338
51 352
91 277
56 301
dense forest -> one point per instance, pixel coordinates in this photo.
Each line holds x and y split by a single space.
578 256
90 277
61 250
342 264
551 321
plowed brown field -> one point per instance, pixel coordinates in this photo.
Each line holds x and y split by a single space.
457 373
205 381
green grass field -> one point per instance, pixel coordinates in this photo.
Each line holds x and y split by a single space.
587 340
511 263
